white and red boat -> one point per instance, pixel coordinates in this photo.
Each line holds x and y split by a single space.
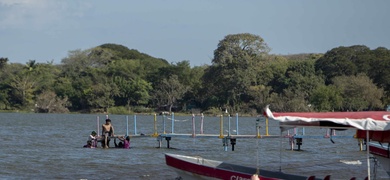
190 167
371 126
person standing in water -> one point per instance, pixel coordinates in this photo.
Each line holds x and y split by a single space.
107 132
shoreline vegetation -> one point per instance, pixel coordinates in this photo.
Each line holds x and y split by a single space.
243 78
146 111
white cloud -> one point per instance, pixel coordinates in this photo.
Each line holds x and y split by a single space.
37 14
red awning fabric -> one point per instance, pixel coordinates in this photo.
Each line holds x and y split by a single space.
363 120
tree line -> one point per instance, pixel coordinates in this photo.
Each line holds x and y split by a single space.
243 77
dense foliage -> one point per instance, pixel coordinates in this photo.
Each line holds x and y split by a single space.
243 77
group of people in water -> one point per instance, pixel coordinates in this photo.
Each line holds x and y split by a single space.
107 134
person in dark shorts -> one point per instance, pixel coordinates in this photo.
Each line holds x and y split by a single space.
107 132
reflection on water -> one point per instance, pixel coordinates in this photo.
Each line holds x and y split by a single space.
49 146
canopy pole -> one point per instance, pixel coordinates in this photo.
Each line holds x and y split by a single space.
280 150
368 155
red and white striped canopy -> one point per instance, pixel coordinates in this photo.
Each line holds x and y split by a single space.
363 120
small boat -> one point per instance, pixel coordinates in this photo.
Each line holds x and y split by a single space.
190 167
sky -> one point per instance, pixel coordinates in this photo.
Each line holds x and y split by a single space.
177 30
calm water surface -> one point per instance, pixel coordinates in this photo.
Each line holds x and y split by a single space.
49 146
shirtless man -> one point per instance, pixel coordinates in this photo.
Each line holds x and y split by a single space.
107 130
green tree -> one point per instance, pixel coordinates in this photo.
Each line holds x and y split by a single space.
27 81
49 102
4 88
326 98
380 70
3 62
295 85
169 91
344 61
233 69
133 90
359 93
91 87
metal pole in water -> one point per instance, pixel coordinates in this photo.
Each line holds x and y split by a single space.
257 129
97 119
266 126
236 123
135 124
155 126
193 125
127 125
221 126
173 122
163 116
229 124
201 123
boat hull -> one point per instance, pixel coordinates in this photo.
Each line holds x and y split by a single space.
189 167
382 153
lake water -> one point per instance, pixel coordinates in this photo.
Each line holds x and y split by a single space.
49 146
